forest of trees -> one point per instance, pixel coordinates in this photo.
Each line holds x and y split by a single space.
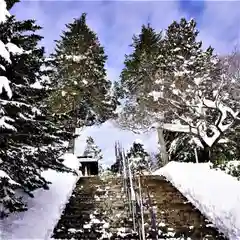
169 83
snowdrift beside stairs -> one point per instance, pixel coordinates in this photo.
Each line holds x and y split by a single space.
45 208
215 193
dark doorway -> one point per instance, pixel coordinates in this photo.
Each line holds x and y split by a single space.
89 165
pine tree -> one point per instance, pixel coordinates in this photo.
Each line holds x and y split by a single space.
138 158
140 66
190 78
137 81
139 72
180 83
82 90
94 151
30 141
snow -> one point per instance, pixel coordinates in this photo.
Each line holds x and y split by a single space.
37 85
3 11
45 208
14 49
85 81
4 52
215 193
197 80
156 95
78 58
4 84
5 125
5 175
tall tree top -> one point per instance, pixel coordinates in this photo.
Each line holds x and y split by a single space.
78 37
147 40
140 65
80 75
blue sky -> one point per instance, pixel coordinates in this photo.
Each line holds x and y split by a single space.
116 21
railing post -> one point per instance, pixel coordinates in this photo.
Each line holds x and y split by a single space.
141 207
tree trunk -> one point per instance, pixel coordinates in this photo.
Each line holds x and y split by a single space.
163 150
196 154
72 144
74 126
204 155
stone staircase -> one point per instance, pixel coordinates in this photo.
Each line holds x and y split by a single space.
98 209
176 217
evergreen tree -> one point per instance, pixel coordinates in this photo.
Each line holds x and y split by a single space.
30 141
140 66
94 151
183 85
138 158
82 90
137 81
193 87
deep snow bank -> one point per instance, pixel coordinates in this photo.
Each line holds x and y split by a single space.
45 208
215 193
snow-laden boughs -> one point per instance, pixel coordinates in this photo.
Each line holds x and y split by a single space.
81 86
136 79
193 84
30 141
4 14
181 87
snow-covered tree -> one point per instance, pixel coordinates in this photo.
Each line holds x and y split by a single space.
82 89
194 85
30 141
137 79
138 158
229 150
186 88
133 117
94 151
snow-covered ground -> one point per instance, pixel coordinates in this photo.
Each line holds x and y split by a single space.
105 136
45 208
215 193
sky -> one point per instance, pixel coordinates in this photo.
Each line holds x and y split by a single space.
115 22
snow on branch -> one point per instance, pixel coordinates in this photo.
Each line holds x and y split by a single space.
14 49
4 85
4 52
4 124
3 11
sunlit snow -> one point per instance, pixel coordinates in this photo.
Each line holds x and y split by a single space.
215 193
45 208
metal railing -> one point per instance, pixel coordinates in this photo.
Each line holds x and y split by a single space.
132 187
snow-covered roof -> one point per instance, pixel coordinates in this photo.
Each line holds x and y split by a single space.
87 159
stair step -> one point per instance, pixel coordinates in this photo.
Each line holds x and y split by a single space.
175 216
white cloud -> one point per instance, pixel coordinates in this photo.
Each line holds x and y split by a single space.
220 25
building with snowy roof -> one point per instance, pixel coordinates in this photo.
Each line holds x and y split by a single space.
89 165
